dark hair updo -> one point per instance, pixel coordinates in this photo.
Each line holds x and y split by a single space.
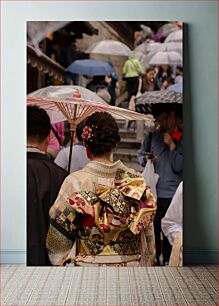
103 133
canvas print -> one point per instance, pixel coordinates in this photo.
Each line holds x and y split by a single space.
104 143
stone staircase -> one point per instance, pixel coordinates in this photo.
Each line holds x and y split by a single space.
127 149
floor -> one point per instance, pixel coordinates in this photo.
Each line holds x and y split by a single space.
21 285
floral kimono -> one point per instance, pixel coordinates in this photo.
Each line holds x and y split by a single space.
103 215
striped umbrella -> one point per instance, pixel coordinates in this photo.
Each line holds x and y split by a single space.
164 99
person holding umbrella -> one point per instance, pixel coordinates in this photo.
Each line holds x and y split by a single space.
164 147
103 214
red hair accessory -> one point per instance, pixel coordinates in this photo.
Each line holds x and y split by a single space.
87 133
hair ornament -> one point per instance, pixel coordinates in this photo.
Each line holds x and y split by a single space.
87 133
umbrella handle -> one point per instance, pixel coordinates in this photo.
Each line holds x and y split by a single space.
72 126
70 153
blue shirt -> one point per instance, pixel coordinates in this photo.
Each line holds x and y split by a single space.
168 165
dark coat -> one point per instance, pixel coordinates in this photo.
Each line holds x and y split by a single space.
44 179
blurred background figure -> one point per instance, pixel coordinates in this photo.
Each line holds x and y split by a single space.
172 227
113 87
131 72
168 164
44 179
148 84
100 85
164 77
179 74
141 36
97 82
148 80
56 139
79 157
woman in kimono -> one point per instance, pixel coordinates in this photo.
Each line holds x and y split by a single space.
104 213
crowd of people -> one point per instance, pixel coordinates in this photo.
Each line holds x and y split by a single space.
102 212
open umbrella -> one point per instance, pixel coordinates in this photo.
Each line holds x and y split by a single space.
171 46
64 91
166 58
175 36
76 108
151 101
147 46
90 67
168 28
143 59
109 47
153 47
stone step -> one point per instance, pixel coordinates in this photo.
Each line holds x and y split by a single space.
122 100
129 143
125 133
126 155
121 123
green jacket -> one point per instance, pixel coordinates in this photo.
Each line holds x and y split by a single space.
132 67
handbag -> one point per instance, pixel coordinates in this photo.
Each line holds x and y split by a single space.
151 177
139 88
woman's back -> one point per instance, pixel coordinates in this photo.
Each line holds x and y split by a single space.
102 211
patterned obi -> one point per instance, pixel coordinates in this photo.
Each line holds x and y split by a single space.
109 221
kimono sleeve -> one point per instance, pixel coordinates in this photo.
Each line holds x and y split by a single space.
63 222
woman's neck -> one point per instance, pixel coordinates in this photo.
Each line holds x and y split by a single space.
103 159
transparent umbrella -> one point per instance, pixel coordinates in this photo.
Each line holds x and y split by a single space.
171 46
166 58
109 47
147 46
175 36
168 28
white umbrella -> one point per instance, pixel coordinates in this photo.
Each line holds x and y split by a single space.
142 48
142 54
168 28
147 46
171 46
109 47
153 46
175 36
143 59
166 58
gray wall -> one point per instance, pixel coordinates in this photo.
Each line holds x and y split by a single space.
201 112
